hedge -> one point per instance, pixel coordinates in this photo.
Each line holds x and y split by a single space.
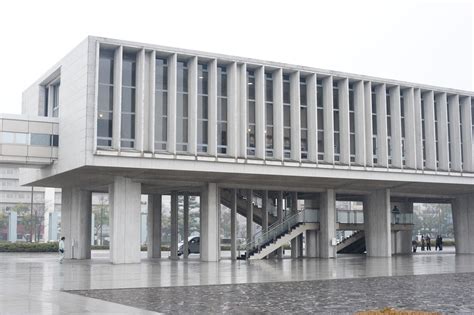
29 247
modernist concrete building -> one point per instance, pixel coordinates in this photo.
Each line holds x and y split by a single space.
138 119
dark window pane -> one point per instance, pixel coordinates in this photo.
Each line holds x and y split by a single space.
352 122
128 100
304 117
182 77
251 112
182 105
161 75
320 141
128 70
320 97
304 140
335 98
222 109
269 138
320 119
286 116
221 134
128 126
161 101
303 97
40 139
203 77
286 92
269 113
202 107
106 97
104 125
202 132
106 66
269 89
55 139
287 139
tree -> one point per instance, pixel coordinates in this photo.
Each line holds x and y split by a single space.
433 219
101 218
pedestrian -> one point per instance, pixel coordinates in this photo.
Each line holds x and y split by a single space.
61 250
437 246
428 243
422 243
440 242
414 244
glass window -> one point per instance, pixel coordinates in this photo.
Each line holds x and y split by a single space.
105 98
351 123
337 147
55 88
303 118
182 107
8 137
40 139
202 108
374 125
250 113
21 138
286 117
269 114
161 104
127 133
320 118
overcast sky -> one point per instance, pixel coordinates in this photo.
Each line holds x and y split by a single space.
429 42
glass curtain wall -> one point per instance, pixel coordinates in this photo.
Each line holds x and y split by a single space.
222 110
374 126
320 118
337 144
304 118
250 113
286 117
352 122
182 107
423 137
269 114
127 128
105 98
389 126
402 122
203 108
161 104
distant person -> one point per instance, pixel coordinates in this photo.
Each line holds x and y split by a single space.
61 250
428 243
396 214
414 245
422 243
438 242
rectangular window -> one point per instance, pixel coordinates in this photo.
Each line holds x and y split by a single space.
374 125
449 138
460 134
286 117
337 145
402 122
127 127
105 98
40 139
161 104
202 108
304 118
182 107
269 114
423 129
389 126
320 118
55 100
351 123
436 130
250 113
221 110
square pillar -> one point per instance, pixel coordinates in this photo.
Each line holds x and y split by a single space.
233 226
174 226
396 127
463 223
279 251
186 225
327 223
125 204
154 226
12 226
249 215
209 211
295 243
295 116
265 211
278 115
377 223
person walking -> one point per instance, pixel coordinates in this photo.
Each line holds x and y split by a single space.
61 250
414 245
428 243
422 243
440 242
437 243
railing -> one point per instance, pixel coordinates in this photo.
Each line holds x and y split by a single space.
350 216
402 218
277 229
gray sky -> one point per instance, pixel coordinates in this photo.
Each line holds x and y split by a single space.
428 42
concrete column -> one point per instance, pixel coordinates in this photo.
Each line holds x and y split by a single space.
463 222
210 223
411 128
312 119
328 120
360 123
295 243
242 70
174 226
278 114
154 226
396 127
377 223
455 133
343 88
76 214
140 101
467 148
212 124
265 211
192 104
186 225
430 133
172 89
12 226
150 103
125 204
442 115
232 111
327 215
295 116
312 236
382 145
233 226
279 251
53 226
117 106
418 130
260 113
368 124
249 215
405 237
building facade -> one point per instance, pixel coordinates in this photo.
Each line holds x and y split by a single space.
145 119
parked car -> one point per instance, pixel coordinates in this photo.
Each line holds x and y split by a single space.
193 244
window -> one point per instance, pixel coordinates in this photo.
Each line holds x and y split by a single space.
389 126
460 135
250 113
423 137
269 114
55 100
202 108
221 110
320 119
40 139
161 104
402 122
337 145
374 126
436 130
105 98
304 118
449 138
351 123
286 117
182 108
127 133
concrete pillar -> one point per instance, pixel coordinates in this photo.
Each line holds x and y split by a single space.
249 215
279 251
368 124
278 114
328 120
242 137
210 223
360 122
295 116
344 142
192 104
233 226
117 105
295 243
396 127
149 138
76 213
327 221
154 226
430 133
377 223
172 90
260 113
312 119
125 204
265 211
12 226
186 225
233 111
463 222
455 133
382 145
312 236
442 115
174 226
411 128
467 148
53 226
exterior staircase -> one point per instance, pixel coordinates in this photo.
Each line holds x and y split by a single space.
263 244
354 244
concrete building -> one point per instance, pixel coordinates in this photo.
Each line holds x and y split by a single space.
137 119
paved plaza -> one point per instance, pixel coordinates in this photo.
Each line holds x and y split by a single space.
37 284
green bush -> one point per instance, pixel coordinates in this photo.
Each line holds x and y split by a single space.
29 247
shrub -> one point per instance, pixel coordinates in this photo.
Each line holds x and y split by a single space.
29 247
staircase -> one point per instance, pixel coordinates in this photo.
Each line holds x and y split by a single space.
263 244
354 244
